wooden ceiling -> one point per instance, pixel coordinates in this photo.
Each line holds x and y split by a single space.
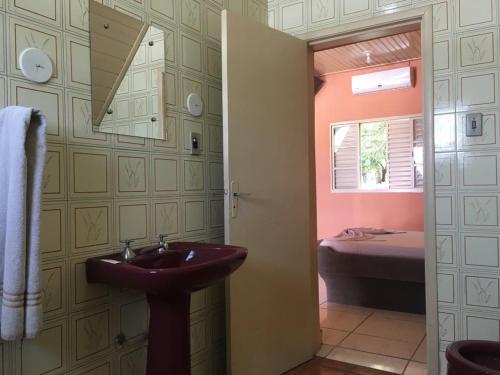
381 51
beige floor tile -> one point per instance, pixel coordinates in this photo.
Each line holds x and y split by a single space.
395 329
324 350
399 315
375 361
332 336
339 306
421 353
341 320
415 368
379 345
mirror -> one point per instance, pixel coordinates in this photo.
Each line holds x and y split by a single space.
128 67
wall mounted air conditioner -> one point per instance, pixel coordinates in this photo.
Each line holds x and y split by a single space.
401 78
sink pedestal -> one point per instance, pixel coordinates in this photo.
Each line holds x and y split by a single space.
169 335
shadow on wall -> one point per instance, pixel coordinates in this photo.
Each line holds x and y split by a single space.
334 103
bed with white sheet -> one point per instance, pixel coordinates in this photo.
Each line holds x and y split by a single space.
376 269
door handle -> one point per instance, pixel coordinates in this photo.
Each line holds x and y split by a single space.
241 194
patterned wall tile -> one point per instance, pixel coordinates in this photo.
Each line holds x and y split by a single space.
477 90
132 173
352 9
479 210
54 179
189 125
82 293
77 54
477 49
24 34
444 94
216 215
90 334
322 12
444 171
441 17
164 9
480 250
193 176
49 101
214 99
293 16
216 176
53 230
190 85
54 281
76 16
133 362
191 52
79 121
191 14
475 14
445 210
481 292
3 57
489 138
99 367
166 217
166 172
213 24
479 170
90 226
448 326
443 54
447 287
47 354
481 326
132 220
194 213
90 171
446 247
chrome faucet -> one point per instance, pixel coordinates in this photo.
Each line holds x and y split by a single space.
163 244
127 252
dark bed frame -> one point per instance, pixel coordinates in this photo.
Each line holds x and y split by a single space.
388 294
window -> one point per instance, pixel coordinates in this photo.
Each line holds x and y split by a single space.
382 155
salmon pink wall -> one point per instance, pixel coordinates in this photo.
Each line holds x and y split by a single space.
335 103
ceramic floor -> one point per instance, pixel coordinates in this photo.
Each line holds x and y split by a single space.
324 366
379 339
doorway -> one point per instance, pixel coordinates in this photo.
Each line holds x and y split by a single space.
265 99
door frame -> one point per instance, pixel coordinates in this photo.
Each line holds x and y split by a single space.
380 26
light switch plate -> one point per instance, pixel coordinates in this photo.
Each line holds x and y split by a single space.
474 124
195 139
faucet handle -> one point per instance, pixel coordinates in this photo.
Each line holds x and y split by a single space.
162 237
163 244
127 252
126 242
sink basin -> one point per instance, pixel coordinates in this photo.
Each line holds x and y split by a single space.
168 279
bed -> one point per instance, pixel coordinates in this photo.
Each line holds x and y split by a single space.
385 272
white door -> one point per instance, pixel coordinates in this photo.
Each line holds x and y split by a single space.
269 146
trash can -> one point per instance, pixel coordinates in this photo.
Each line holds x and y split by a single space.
473 358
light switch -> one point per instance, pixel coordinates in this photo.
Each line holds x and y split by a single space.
474 125
195 143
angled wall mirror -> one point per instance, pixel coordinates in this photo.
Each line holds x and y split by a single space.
128 66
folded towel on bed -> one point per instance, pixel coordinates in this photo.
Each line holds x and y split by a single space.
351 234
375 230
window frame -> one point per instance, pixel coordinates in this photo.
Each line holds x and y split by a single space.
333 125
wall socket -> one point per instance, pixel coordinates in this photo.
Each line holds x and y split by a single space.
474 125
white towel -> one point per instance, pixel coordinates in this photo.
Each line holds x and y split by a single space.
22 160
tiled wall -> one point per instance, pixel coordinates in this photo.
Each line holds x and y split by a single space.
466 79
99 189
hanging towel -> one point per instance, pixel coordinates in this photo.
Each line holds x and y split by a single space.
22 160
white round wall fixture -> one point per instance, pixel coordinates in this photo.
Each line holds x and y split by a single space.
35 65
194 104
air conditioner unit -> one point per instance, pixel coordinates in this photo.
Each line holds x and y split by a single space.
401 78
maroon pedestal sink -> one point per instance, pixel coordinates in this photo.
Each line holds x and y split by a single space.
168 279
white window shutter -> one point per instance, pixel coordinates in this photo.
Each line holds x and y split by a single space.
400 154
418 152
345 147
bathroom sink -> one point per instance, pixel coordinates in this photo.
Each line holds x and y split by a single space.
184 267
168 279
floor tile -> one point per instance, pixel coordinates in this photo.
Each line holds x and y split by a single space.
339 306
416 368
421 353
341 320
379 345
399 315
322 366
395 329
376 361
333 336
324 350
